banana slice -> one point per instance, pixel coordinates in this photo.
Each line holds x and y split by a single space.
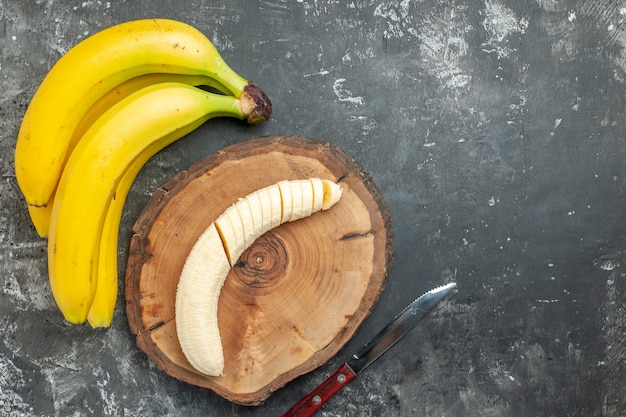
332 194
307 198
219 247
231 231
276 206
271 206
318 193
256 210
287 200
296 200
247 222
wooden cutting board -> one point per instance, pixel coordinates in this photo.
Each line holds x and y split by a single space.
295 297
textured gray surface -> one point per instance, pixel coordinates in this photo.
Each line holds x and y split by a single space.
495 130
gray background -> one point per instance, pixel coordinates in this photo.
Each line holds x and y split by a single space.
495 130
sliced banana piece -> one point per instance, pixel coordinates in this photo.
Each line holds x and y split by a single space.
287 200
271 205
221 245
307 198
318 193
296 200
256 210
332 194
231 232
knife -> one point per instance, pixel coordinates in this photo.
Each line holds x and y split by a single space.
372 350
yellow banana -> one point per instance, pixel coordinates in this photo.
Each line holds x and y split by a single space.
91 69
102 307
144 122
40 215
218 249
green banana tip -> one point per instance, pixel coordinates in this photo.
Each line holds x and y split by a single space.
262 104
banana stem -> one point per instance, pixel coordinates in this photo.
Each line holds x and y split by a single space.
256 104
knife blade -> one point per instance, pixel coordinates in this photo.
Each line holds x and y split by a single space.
379 344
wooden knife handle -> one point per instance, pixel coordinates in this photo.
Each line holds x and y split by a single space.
308 405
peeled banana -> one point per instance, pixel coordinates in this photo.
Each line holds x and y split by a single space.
100 170
96 66
218 249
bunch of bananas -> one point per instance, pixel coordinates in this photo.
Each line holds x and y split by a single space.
103 110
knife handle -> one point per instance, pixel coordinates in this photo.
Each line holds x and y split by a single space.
319 396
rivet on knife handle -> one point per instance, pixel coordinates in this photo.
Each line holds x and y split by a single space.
318 397
372 350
